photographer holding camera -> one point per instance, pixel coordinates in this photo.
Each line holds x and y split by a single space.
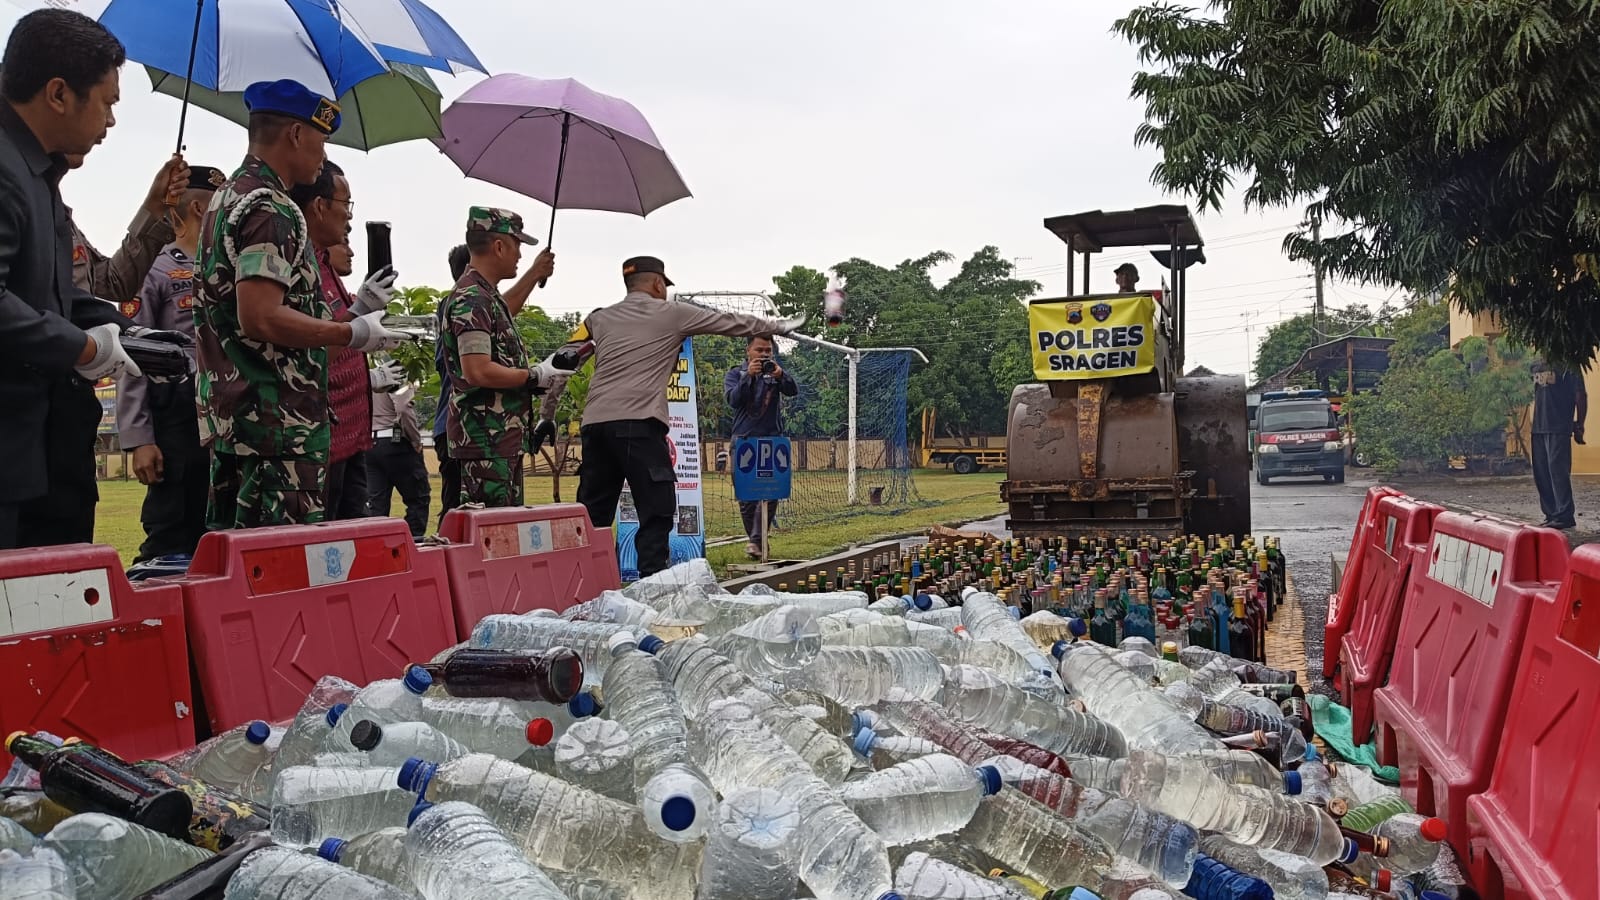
753 391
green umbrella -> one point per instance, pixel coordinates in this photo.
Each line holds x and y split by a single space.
399 105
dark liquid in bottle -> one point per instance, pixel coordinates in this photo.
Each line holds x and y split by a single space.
219 817
554 676
84 778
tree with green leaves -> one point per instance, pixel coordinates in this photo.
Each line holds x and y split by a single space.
1435 141
1285 342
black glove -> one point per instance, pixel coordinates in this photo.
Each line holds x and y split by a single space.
543 433
162 355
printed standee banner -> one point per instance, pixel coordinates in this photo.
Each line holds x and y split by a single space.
1092 336
688 540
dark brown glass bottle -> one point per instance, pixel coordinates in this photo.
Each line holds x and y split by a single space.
84 778
219 818
554 676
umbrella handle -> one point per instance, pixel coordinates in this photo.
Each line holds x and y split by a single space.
188 78
555 199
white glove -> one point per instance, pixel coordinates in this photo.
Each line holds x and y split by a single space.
110 359
368 335
387 378
545 373
376 293
790 325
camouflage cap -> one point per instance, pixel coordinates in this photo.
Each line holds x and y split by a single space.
497 221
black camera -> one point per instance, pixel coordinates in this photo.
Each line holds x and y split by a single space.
768 367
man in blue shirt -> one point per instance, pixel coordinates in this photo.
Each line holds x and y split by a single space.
753 390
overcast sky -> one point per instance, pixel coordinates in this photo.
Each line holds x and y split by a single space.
809 133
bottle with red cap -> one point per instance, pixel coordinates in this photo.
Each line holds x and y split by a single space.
553 676
1413 842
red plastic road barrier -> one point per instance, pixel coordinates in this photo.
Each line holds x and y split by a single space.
271 610
523 558
1396 546
84 653
1343 602
1536 830
1460 635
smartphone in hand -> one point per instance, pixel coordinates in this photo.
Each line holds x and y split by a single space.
379 251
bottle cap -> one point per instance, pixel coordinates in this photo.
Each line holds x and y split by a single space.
863 742
582 706
334 712
890 895
540 731
1384 880
417 680
258 732
415 774
860 719
331 848
1082 893
366 735
1077 627
1433 830
421 807
1433 895
622 640
1059 648
651 644
1311 752
1292 783
991 780
1016 612
1351 852
922 602
677 813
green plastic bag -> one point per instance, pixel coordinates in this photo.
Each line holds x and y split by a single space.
1332 723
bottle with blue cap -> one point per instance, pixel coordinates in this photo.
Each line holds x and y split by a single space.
1290 877
674 795
920 799
305 736
1212 880
385 701
900 604
310 803
279 873
590 640
782 640
979 697
457 853
377 854
750 849
551 676
861 676
230 760
559 825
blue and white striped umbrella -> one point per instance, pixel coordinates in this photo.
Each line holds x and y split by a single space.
406 31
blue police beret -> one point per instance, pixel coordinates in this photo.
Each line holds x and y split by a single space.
295 100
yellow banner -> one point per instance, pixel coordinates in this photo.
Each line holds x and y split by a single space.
1092 337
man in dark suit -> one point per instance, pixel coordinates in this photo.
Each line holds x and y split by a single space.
58 83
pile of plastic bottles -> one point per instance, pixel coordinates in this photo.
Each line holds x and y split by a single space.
675 741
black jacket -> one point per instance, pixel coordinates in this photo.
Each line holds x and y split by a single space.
42 316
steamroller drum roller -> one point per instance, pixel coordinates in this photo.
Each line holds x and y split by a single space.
1213 442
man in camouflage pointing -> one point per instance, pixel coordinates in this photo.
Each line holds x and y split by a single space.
263 327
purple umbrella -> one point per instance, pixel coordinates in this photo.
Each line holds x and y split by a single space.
516 132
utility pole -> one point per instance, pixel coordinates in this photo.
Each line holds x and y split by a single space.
1249 345
1317 314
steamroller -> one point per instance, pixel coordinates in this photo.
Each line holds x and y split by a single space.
1111 439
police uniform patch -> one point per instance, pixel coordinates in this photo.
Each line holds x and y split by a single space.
80 253
326 116
216 178
1100 311
186 301
130 308
1075 313
181 274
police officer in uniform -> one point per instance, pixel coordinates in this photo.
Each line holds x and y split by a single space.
262 325
491 384
120 276
157 420
625 435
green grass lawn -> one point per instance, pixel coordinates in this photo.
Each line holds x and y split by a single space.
945 498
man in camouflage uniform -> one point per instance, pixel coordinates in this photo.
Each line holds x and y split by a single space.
262 325
491 385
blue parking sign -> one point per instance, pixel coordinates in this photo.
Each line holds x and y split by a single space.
761 468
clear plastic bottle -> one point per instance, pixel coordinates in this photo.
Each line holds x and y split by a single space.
896 632
668 583
930 721
923 877
985 617
561 826
703 676
1291 877
729 611
588 639
379 854
784 639
895 605
40 875
1045 628
823 603
1142 667
305 736
1369 816
1249 815
1222 718
640 697
597 754
1217 681
396 742
750 850
1241 767
612 608
1310 782
310 804
1029 838
859 676
111 858
578 887
1213 880
1145 717
840 857
1413 842
14 837
947 617
278 873
501 727
233 758
920 799
981 698
884 751
389 700
1355 786
457 853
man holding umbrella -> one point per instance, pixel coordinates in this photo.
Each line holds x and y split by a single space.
263 326
625 435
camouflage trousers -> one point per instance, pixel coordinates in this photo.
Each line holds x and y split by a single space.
253 491
492 481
